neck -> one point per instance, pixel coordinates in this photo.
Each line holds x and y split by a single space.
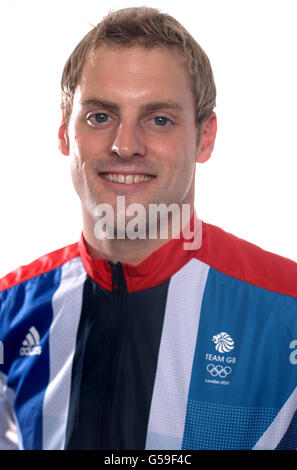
127 250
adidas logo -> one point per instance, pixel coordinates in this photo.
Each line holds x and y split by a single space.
30 344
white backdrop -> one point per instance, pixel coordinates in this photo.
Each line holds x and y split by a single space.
249 185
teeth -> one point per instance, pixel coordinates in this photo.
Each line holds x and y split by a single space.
136 178
129 179
126 179
108 176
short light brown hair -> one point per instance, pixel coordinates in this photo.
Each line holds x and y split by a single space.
147 27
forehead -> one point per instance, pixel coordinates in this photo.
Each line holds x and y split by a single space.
135 73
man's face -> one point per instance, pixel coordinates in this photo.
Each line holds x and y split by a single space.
132 129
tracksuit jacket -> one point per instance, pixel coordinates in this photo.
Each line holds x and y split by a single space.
190 349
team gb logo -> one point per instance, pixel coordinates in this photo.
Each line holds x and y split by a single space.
223 342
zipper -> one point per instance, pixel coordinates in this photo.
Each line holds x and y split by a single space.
111 352
115 276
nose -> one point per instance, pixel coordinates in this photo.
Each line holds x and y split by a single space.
128 141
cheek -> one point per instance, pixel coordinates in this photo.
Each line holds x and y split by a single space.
79 148
77 175
83 141
181 162
78 166
182 168
83 154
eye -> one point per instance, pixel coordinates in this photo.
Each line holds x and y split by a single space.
97 118
161 121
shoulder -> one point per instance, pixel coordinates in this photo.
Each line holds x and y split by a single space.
243 260
41 265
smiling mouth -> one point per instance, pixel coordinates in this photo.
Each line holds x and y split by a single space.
126 179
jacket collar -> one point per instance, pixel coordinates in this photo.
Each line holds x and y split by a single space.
153 270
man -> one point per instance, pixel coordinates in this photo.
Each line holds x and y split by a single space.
130 339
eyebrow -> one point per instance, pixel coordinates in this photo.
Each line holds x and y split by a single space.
149 107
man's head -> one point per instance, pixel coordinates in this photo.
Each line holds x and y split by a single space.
149 28
136 93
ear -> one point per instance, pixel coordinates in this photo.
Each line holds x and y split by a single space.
63 137
207 139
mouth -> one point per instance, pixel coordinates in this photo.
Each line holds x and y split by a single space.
128 179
